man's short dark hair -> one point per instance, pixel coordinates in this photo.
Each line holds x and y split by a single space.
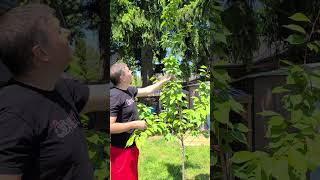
22 28
116 71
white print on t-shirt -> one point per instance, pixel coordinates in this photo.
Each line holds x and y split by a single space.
129 101
65 126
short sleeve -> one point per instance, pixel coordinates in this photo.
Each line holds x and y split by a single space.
79 93
15 144
133 90
115 103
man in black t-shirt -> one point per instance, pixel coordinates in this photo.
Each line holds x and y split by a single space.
124 118
41 136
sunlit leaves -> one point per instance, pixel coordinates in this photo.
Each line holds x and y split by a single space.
300 17
295 27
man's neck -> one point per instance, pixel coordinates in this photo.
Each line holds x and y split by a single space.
44 82
122 86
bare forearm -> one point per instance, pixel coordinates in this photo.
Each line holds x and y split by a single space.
154 87
116 128
158 85
149 90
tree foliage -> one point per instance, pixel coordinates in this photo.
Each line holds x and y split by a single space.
275 14
176 120
294 141
195 28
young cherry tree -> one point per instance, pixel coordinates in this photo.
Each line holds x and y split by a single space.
179 120
176 120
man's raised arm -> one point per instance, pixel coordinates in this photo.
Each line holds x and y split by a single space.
146 91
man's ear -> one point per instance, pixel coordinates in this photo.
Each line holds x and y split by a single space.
40 53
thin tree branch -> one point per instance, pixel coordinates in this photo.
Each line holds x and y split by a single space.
309 38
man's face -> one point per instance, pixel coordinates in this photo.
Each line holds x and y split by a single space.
58 49
126 76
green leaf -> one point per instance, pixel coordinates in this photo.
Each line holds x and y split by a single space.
295 27
313 152
300 17
219 8
138 143
268 113
130 140
308 131
317 43
106 149
286 62
242 156
93 139
235 106
239 136
313 47
296 99
276 144
100 174
266 165
275 131
220 37
148 132
221 114
297 160
295 39
276 121
280 169
92 154
258 172
241 127
203 67
280 89
241 175
296 115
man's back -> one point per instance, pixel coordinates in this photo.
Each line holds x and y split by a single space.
40 133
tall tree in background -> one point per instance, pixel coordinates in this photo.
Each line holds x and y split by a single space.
239 18
98 12
136 34
275 14
136 31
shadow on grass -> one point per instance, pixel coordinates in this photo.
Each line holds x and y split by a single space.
175 171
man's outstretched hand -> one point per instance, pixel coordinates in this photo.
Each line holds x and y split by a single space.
168 77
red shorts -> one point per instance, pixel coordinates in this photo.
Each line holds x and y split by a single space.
124 163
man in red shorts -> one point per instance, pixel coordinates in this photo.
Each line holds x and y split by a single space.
124 119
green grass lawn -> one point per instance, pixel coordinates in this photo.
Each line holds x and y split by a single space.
161 160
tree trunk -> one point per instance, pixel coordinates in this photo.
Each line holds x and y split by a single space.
104 36
223 165
104 46
146 65
183 162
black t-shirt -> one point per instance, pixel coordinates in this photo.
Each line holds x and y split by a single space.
124 107
41 135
